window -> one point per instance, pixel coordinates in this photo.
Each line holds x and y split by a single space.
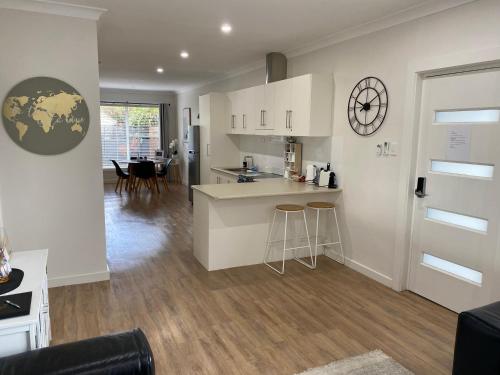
465 169
464 221
467 116
453 269
129 130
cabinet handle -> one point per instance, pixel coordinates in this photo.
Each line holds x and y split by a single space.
233 118
244 121
263 117
208 148
290 120
286 119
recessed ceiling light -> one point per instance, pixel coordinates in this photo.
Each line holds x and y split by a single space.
184 54
226 28
159 70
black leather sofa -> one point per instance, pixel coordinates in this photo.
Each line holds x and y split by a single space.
125 353
477 345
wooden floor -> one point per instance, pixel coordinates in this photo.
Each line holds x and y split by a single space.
246 320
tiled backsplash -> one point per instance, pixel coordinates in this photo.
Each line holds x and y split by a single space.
267 152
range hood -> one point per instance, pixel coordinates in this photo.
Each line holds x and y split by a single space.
275 67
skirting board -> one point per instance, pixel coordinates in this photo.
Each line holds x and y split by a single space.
367 271
84 278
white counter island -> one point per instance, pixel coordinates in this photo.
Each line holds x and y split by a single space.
231 221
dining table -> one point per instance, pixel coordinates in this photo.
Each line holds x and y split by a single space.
131 162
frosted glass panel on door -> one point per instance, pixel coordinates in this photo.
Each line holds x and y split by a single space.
466 169
468 116
452 268
469 222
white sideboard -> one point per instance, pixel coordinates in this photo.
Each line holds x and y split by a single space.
31 331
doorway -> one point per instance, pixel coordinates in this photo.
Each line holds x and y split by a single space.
455 243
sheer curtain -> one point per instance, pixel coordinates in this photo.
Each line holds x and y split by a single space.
165 126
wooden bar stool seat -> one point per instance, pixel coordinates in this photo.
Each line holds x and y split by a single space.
329 207
288 209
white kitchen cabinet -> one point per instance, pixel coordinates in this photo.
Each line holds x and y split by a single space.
299 106
282 105
222 178
303 106
242 113
216 146
264 96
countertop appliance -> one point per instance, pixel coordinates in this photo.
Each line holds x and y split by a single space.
193 149
249 161
310 174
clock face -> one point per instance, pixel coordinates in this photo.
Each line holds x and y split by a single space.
367 106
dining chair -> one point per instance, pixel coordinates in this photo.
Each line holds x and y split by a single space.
162 174
122 176
145 173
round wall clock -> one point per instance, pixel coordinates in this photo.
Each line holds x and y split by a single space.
367 106
45 116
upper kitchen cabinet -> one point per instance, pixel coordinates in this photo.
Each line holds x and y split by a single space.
299 106
264 108
303 106
243 117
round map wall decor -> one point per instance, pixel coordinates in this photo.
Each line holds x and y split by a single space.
45 116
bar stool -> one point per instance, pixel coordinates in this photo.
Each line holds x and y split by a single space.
329 207
288 209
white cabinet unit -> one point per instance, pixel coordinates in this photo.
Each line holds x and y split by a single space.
299 106
242 111
263 108
216 146
31 331
222 178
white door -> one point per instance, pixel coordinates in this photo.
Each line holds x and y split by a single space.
455 237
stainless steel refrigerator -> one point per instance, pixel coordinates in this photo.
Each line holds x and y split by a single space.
193 149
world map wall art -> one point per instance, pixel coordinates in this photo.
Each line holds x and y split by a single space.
45 116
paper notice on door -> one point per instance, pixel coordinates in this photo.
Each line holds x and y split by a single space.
458 143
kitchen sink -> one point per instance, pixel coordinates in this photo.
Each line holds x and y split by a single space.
244 170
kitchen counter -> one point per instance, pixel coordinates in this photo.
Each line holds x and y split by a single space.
231 221
271 188
242 172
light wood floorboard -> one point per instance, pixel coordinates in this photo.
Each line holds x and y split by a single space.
246 320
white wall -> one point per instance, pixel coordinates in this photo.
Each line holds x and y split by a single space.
369 208
54 202
140 96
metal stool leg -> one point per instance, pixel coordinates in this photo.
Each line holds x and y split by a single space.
268 250
316 243
340 239
313 263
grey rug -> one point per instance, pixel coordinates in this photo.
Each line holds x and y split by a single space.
372 363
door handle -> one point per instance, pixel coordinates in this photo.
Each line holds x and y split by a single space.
420 190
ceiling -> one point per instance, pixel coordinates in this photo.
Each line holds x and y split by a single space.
136 36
